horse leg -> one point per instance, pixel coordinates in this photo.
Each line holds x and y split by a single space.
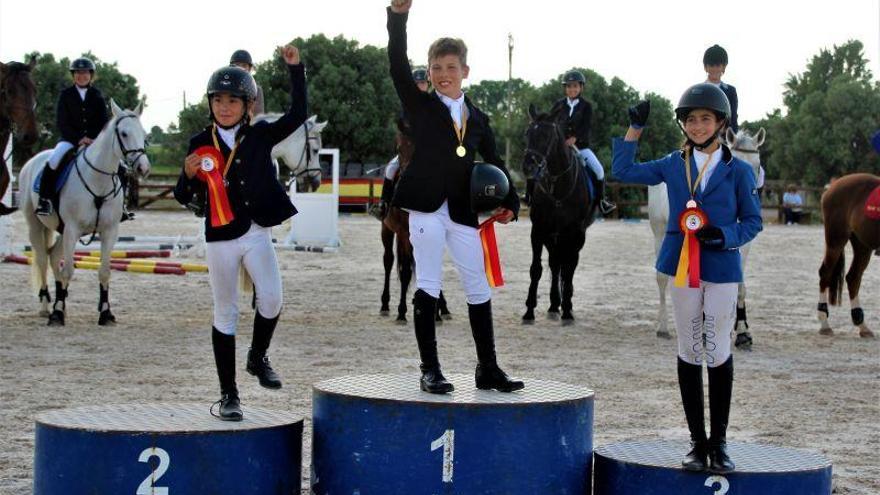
861 258
555 263
662 315
388 262
39 237
443 309
69 239
535 276
405 264
830 279
108 240
743 337
568 267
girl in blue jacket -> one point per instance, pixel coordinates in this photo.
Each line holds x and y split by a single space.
713 210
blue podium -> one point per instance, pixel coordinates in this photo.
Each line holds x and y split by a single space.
379 434
654 468
166 449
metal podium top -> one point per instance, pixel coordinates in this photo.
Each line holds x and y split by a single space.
161 418
749 458
405 388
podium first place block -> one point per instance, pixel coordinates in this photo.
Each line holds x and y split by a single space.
379 434
166 449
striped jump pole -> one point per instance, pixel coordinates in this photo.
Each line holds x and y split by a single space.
122 267
190 267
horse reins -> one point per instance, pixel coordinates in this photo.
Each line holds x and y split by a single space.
542 175
114 179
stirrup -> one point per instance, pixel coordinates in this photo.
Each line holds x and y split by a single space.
606 206
44 208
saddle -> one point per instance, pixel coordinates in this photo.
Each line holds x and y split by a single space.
872 205
63 174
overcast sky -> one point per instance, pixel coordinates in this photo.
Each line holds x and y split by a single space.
173 46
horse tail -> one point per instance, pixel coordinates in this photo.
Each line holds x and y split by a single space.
835 285
245 283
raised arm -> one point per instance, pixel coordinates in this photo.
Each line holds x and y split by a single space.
623 165
401 72
298 111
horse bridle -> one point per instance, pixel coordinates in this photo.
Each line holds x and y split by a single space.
541 174
138 152
307 152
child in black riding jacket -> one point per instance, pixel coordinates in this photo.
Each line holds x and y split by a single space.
231 162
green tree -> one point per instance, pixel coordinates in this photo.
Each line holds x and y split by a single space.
508 120
832 111
52 76
349 86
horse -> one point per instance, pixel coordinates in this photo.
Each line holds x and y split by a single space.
395 227
299 151
745 147
845 217
18 103
561 210
90 202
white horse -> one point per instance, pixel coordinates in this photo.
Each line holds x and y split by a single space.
745 147
299 151
90 202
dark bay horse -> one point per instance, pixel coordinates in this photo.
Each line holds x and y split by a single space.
395 232
845 218
18 103
561 209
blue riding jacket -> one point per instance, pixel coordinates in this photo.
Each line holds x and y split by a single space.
730 200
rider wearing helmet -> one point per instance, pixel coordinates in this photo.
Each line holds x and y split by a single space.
80 114
715 64
577 131
242 58
713 199
233 160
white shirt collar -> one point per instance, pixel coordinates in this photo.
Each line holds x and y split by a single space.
228 135
714 159
454 105
82 92
572 102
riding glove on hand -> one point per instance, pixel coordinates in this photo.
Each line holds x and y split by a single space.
638 114
711 237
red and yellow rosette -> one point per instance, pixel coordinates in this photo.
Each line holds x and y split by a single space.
490 253
211 171
690 221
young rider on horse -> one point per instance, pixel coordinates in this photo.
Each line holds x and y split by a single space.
577 131
713 210
232 159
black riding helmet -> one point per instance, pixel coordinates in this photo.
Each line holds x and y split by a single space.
489 187
715 55
241 57
420 75
236 82
574 76
703 95
82 63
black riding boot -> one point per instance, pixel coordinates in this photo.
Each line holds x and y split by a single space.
605 206
720 392
257 360
488 375
224 357
47 191
424 307
690 381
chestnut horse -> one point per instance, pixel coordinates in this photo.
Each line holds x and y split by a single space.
18 105
845 218
395 224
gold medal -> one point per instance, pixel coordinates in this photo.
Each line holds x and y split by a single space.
460 151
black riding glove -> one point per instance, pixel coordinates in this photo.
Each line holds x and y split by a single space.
638 114
711 236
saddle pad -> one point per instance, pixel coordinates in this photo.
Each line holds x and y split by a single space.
872 205
62 177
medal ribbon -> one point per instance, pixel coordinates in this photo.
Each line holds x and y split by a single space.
460 131
491 259
219 207
688 270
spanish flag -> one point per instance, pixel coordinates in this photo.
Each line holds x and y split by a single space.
212 172
490 253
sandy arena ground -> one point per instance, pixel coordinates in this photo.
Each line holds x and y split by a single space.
796 389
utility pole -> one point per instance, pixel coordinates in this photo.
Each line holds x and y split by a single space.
509 96
184 99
